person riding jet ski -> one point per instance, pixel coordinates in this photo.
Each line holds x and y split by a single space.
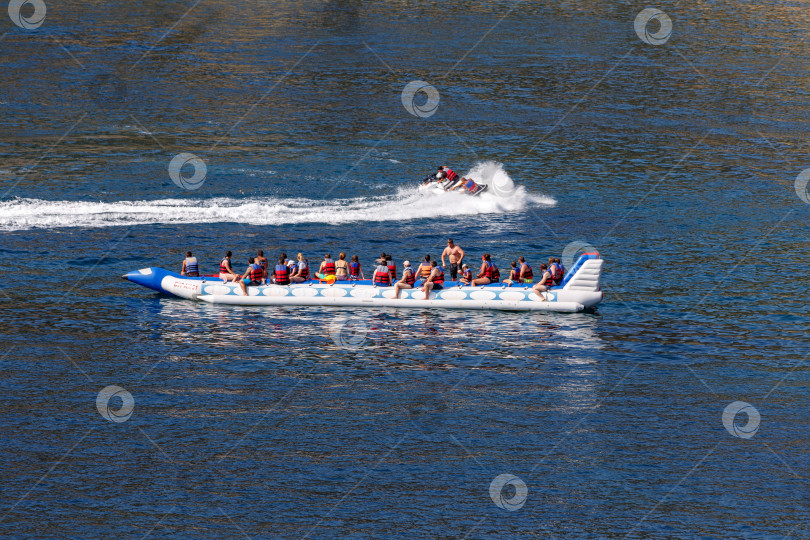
451 178
445 177
470 186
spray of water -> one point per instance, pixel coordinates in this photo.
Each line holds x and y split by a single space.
405 204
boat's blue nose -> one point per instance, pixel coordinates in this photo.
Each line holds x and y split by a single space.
147 277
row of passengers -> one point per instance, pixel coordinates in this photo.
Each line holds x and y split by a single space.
550 275
191 266
298 271
258 271
521 273
433 275
286 271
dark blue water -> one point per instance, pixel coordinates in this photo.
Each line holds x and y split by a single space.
676 161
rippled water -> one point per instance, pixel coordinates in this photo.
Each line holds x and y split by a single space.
676 161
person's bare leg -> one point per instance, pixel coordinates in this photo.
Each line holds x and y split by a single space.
400 287
428 287
244 288
537 289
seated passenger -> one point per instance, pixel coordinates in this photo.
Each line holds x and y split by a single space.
327 267
435 280
253 276
526 275
407 281
262 260
424 268
488 273
301 270
545 283
382 276
342 268
226 272
190 266
468 184
355 269
514 274
281 274
560 271
392 268
466 275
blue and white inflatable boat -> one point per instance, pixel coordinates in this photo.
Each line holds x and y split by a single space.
580 290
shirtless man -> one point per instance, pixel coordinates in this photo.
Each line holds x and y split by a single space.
456 255
262 260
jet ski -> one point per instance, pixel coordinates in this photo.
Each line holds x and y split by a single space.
432 184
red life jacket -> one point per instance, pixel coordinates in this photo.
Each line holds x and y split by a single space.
329 267
528 273
223 269
382 277
354 270
467 274
488 270
256 272
304 267
451 176
514 275
556 273
492 273
439 278
546 279
392 269
410 277
282 274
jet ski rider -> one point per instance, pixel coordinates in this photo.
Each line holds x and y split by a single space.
468 184
449 176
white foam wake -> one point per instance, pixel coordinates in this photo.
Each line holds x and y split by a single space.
406 204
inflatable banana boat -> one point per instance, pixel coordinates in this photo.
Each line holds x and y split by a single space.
579 290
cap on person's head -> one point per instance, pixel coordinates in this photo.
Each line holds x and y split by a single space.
464 265
406 263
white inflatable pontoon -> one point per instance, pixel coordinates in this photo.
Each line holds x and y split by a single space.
580 290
